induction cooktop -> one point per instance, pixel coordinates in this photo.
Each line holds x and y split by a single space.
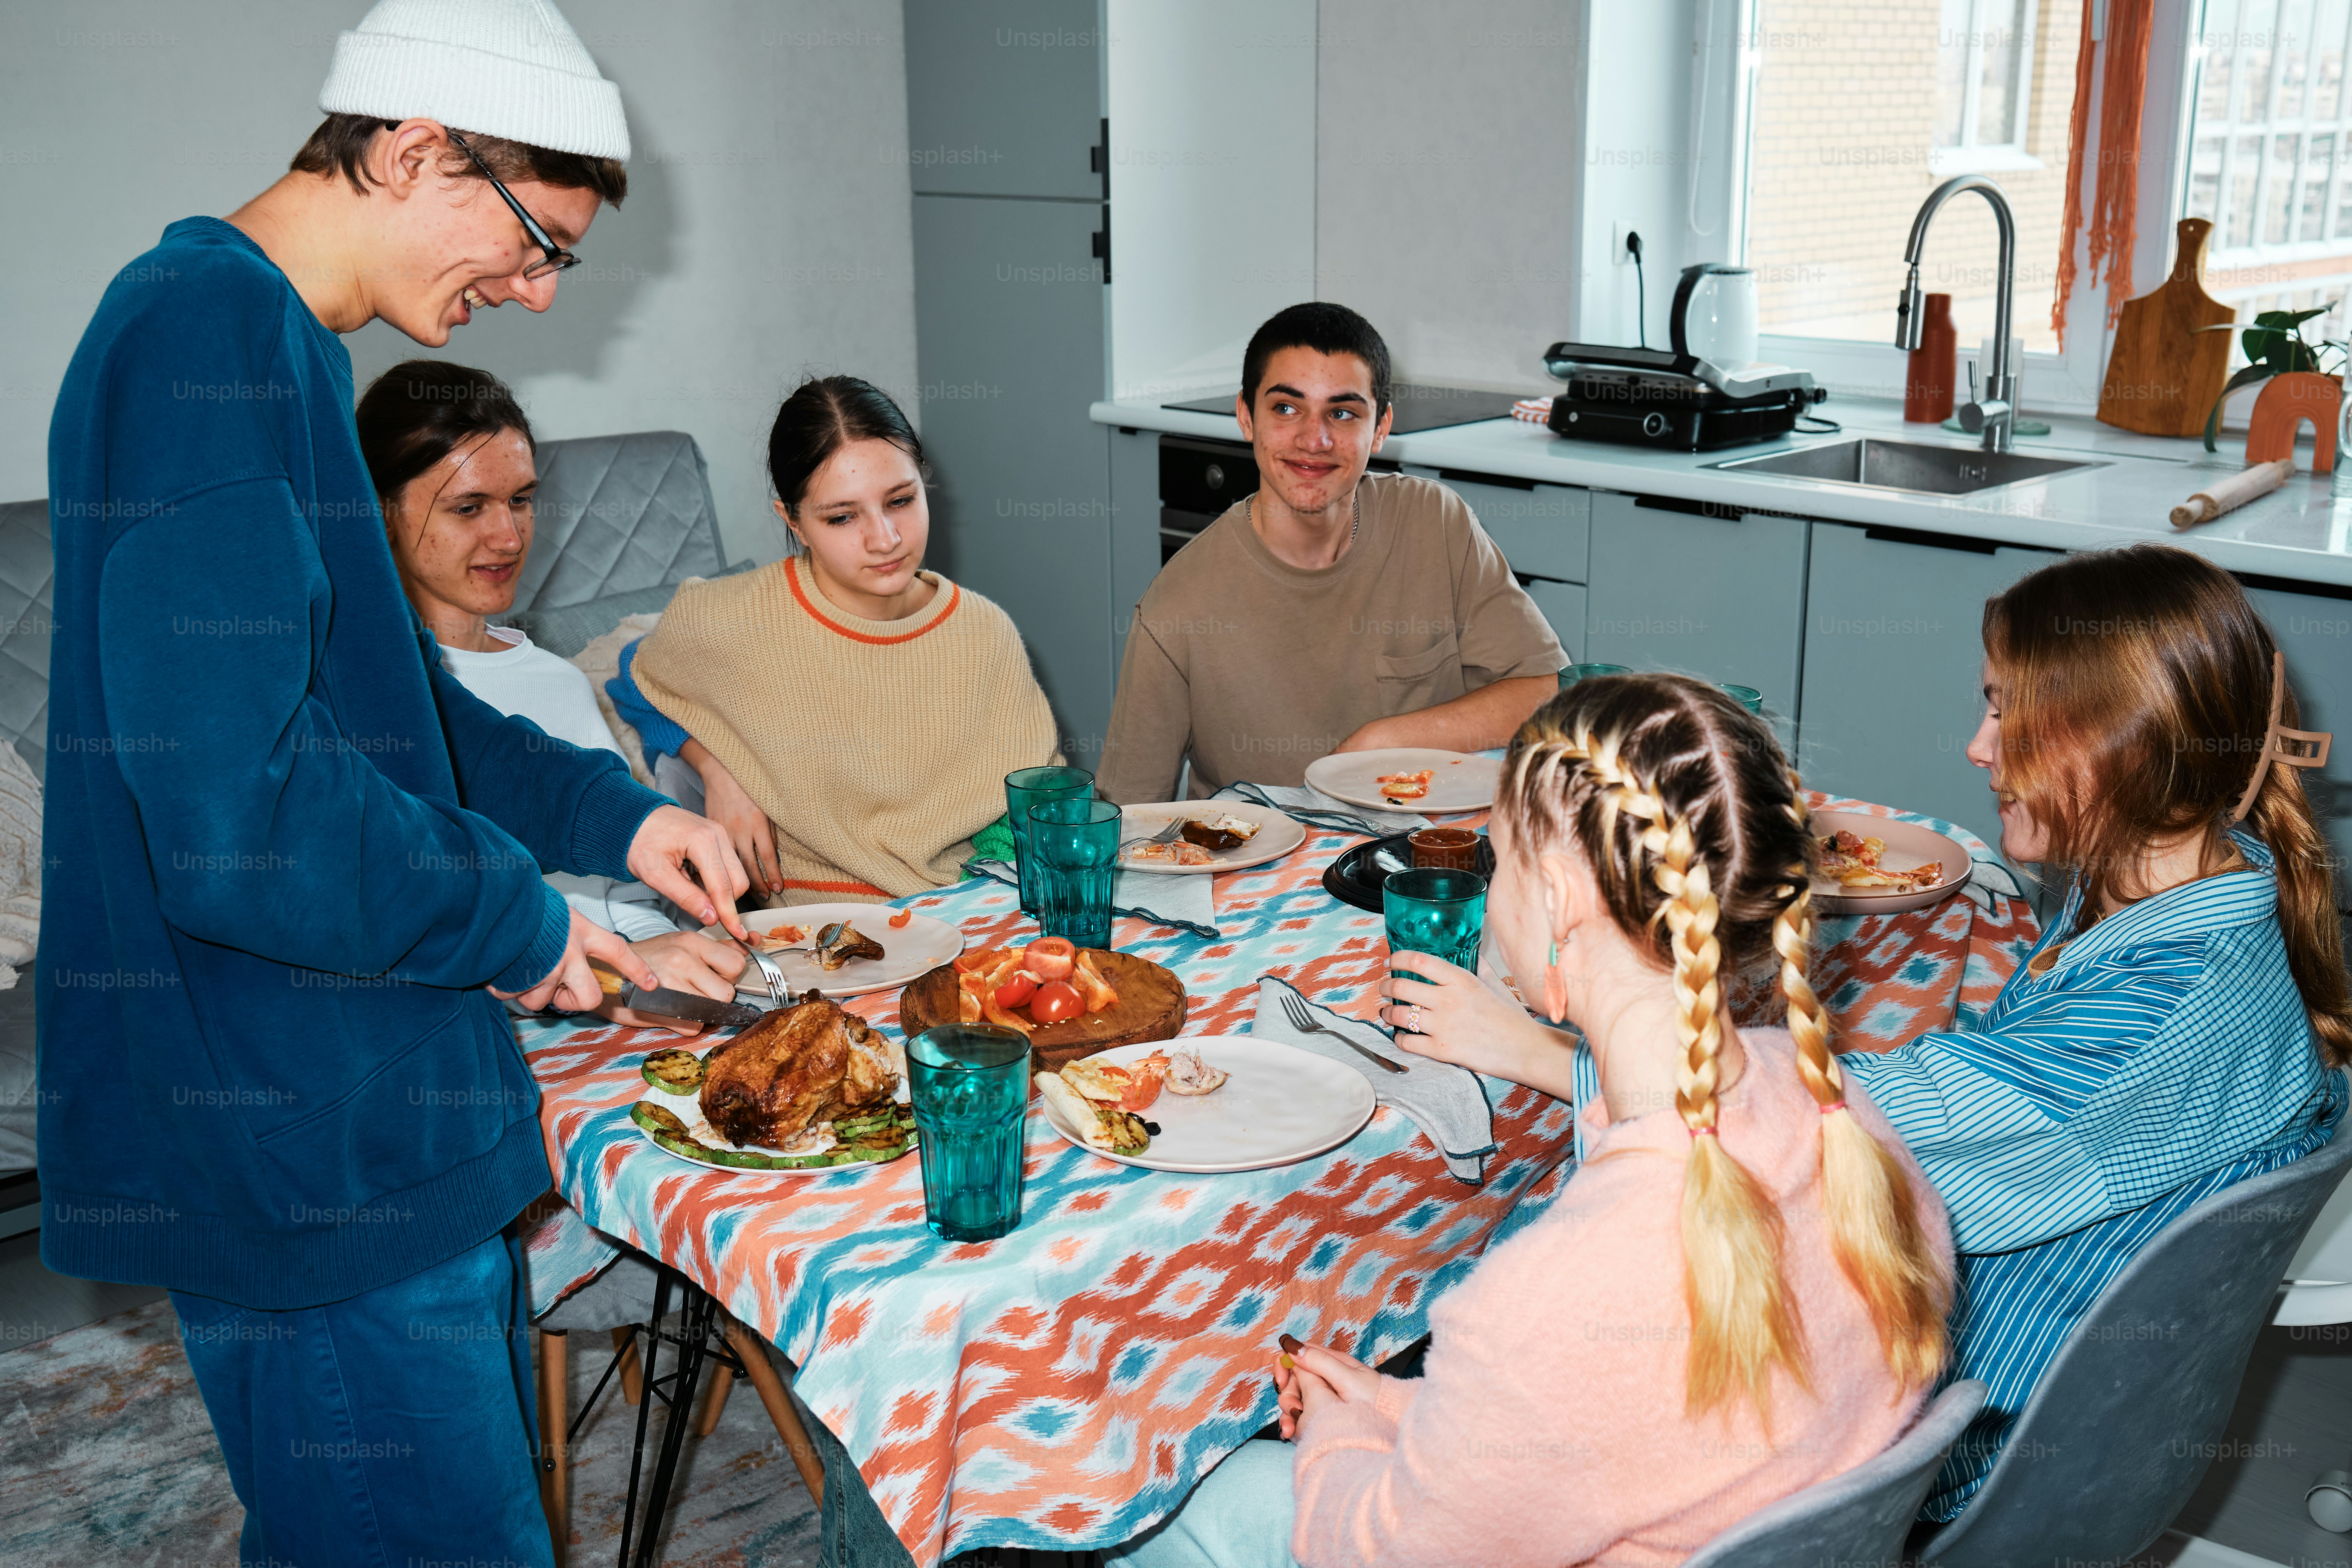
1418 406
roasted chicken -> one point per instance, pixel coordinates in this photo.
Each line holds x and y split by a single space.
799 1066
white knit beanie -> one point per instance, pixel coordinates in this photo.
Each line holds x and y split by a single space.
513 69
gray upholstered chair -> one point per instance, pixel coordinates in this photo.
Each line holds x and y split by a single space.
2128 1417
1861 1516
620 520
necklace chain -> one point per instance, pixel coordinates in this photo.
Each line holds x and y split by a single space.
1355 519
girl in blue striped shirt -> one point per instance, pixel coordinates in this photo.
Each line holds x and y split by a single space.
2173 1030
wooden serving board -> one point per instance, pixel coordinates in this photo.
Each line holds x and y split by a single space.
2164 373
1151 1007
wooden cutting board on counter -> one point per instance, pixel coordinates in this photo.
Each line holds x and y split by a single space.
1151 1007
2164 374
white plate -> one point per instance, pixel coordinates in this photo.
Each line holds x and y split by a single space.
1276 835
688 1109
1908 847
1458 782
1281 1105
917 948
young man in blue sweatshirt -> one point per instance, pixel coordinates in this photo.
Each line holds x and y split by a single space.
292 862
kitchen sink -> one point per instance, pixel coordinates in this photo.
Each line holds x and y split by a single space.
1929 469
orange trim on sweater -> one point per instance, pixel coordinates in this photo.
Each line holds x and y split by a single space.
792 576
837 887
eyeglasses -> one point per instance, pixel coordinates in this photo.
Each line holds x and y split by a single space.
555 258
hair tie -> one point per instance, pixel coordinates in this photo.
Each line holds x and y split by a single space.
1833 1105
2281 744
1704 1132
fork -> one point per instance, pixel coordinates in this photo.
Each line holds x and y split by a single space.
778 991
1167 834
1304 1022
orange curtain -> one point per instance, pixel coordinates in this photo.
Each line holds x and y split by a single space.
2115 197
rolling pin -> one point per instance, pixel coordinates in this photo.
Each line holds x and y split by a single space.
2232 493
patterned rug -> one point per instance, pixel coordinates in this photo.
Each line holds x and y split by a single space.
107 1460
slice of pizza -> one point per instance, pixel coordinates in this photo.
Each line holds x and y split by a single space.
1405 786
1176 852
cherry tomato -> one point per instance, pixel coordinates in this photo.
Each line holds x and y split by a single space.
1017 990
1050 958
1056 1000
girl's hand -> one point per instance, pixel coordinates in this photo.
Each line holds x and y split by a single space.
729 805
1316 1378
1460 1019
685 961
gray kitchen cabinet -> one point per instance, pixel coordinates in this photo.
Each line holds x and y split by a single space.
1009 345
1562 604
2315 631
1542 529
1675 585
1894 652
1006 99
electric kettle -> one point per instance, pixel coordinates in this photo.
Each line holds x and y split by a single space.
1715 315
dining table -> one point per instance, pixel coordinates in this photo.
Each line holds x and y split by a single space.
1064 1387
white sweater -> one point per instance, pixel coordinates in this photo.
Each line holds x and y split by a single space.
524 679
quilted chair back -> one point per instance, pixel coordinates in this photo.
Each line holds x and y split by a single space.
615 513
27 578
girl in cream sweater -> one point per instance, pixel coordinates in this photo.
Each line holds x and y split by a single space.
1740 1294
851 715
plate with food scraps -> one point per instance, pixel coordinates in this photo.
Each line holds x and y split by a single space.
669 1116
1878 865
880 949
1408 778
1217 836
1275 1105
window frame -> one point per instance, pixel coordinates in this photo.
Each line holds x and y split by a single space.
1970 156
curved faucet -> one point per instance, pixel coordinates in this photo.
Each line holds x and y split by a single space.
1994 412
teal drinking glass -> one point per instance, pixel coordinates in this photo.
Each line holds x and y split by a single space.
1075 842
969 1083
1024 789
1748 696
1576 672
1436 911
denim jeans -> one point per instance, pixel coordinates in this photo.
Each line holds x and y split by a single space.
374 1432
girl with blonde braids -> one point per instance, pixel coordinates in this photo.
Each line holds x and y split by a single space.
1742 1291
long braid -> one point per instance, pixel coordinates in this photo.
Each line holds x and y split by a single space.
1874 1218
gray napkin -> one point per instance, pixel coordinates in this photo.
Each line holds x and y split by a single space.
1987 878
1311 805
1446 1102
1183 903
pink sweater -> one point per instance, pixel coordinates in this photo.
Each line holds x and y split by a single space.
1549 1427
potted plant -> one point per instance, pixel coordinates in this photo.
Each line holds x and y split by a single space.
2274 346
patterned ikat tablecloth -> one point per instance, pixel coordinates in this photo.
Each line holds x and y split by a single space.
1065 1387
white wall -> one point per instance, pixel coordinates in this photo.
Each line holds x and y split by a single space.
1212 183
766 232
1446 176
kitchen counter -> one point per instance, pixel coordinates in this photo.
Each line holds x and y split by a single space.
2301 532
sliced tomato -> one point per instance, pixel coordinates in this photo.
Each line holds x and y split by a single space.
1055 1001
1017 990
1050 958
898 922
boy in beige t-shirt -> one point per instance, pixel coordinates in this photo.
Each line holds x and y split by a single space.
1332 611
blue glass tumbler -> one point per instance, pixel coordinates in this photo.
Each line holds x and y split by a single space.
1436 911
969 1084
1025 787
1075 843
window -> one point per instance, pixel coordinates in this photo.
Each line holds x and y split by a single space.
1984 86
1855 113
2270 160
